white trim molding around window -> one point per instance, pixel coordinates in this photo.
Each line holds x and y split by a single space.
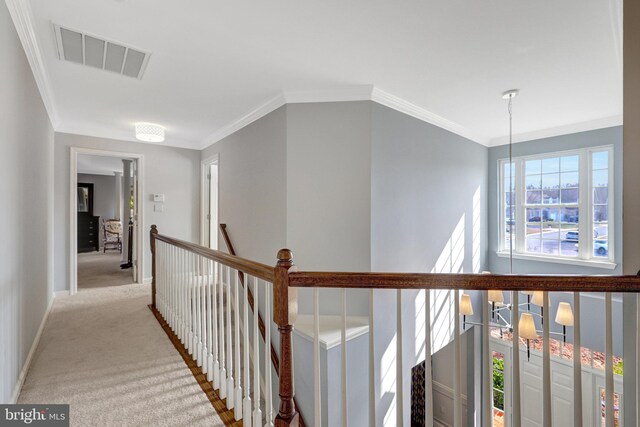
557 199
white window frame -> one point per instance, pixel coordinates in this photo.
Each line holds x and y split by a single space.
585 205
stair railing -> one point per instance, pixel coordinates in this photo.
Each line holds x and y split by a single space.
197 291
183 305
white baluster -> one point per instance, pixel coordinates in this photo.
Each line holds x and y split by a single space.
158 278
428 379
194 305
317 401
343 344
237 413
487 369
188 284
546 362
205 324
257 413
179 265
246 403
171 271
203 312
577 363
159 284
176 290
457 400
399 370
515 366
210 334
230 380
166 302
215 350
221 347
372 374
168 283
608 370
198 302
268 408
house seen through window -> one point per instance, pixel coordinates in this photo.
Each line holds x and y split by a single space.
558 204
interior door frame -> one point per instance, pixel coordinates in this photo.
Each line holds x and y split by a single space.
205 167
73 215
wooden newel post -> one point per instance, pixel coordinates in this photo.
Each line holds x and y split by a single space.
152 239
285 310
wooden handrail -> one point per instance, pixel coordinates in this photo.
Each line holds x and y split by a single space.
253 268
274 355
505 282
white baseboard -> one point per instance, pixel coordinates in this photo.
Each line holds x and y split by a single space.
27 362
60 293
147 280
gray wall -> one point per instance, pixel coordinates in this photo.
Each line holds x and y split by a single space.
366 188
329 194
300 177
174 172
428 213
253 187
26 160
104 197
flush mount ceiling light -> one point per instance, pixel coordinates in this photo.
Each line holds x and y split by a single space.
149 132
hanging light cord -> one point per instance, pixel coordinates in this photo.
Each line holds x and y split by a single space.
511 192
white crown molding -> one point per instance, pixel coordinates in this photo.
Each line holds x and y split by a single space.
343 94
22 19
244 120
605 122
406 107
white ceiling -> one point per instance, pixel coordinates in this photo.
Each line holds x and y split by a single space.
216 65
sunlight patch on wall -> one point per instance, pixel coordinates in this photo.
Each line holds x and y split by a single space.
388 381
451 260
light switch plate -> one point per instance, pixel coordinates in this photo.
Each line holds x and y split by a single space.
158 198
158 207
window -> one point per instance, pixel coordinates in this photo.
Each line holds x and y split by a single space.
558 205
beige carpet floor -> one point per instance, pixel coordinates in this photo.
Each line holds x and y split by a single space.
103 352
98 270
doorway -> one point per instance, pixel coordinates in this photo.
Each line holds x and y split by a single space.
209 210
105 205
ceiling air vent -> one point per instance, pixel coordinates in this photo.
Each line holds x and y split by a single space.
82 48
